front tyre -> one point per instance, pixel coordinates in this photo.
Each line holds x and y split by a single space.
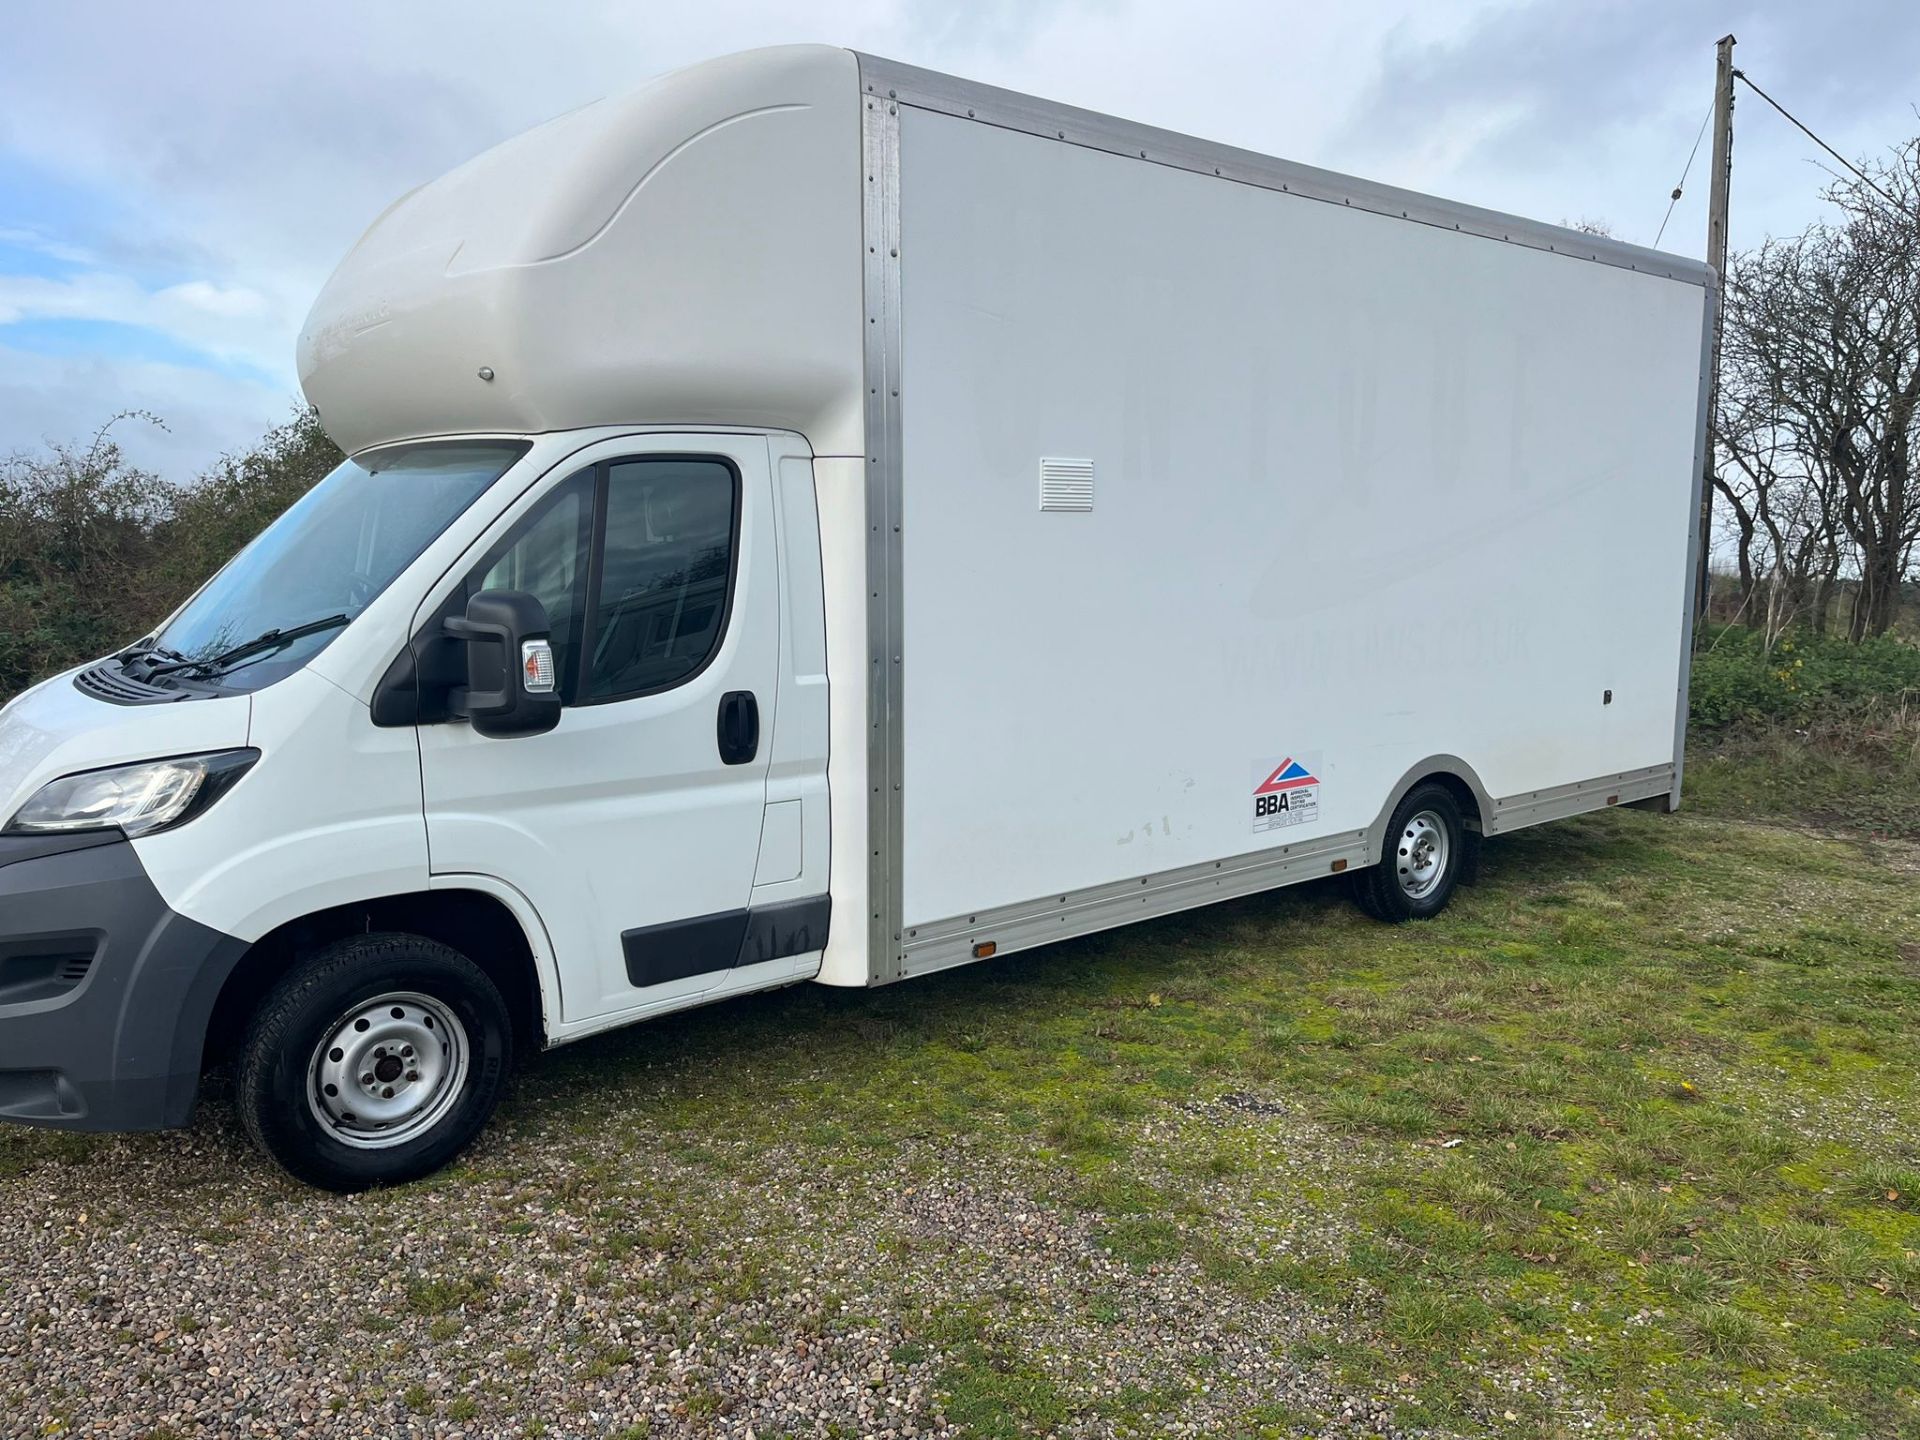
1424 853
374 1061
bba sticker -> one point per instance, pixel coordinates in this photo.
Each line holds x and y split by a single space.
1285 792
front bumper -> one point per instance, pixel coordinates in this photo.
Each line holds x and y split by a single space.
105 992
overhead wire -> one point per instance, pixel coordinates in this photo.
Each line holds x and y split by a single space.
1685 170
1862 175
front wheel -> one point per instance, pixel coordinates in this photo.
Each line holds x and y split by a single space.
374 1061
1424 853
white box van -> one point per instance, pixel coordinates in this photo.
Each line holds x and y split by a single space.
818 519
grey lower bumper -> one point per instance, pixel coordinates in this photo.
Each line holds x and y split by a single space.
105 993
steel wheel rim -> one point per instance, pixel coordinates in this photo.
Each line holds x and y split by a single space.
388 1070
1424 848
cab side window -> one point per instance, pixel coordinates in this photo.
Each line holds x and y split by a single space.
546 556
665 575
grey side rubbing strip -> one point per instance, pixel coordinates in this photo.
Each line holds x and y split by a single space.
880 234
1008 109
793 927
678 949
705 944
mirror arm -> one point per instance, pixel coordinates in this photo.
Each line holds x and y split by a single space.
461 700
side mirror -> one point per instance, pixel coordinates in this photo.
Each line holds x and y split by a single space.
512 686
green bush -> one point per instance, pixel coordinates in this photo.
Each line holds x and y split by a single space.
1816 731
94 551
1736 680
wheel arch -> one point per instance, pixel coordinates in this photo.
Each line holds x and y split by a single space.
1449 770
496 930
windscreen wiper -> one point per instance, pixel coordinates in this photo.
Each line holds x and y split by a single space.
148 650
143 660
260 644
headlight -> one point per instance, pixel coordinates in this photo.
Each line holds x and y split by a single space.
137 799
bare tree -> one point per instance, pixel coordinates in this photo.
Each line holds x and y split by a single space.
1869 398
1815 430
1777 503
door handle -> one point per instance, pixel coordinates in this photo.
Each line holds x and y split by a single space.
738 729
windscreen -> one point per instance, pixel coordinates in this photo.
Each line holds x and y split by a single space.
284 598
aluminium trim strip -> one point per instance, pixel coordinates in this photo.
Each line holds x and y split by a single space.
949 95
880 235
1017 927
944 944
1516 812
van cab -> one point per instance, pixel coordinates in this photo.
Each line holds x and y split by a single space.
300 764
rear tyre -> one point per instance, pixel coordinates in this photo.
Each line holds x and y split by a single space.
1425 852
373 1062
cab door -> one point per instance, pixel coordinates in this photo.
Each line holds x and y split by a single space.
633 826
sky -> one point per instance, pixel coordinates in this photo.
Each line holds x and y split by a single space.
176 181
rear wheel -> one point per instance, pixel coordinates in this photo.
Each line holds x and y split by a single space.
1422 858
374 1061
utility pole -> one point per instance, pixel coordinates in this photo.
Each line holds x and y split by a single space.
1723 73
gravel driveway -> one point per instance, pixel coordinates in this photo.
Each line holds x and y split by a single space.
173 1286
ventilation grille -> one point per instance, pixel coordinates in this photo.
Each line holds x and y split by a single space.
42 969
107 681
1066 484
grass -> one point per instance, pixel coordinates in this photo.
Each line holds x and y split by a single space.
1634 1114
1627 1135
1859 770
1814 731
440 1295
992 1390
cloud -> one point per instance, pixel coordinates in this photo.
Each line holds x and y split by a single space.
231 325
237 303
194 173
38 242
1562 110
